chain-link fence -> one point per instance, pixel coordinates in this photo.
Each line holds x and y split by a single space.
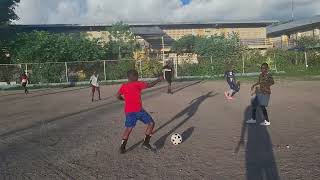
289 61
109 70
73 72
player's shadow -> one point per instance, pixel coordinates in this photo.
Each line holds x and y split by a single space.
188 111
259 158
184 87
187 134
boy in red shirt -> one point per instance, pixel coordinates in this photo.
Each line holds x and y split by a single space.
130 92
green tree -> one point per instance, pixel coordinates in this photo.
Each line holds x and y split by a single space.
122 42
40 47
185 44
308 42
214 53
219 46
7 14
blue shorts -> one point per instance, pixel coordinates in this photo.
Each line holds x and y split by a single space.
133 117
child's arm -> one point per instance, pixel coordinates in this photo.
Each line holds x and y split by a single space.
149 85
256 84
119 97
270 80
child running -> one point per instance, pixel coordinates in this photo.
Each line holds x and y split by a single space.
94 85
168 73
231 80
24 81
262 97
130 92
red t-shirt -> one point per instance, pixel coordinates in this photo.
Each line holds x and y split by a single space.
132 95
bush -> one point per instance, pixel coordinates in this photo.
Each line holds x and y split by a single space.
150 68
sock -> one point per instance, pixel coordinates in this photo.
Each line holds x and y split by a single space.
147 139
124 143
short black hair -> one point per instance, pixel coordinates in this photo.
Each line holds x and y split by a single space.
265 64
132 72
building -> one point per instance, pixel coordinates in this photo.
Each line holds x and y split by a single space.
160 36
284 35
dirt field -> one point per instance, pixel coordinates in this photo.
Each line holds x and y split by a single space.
61 134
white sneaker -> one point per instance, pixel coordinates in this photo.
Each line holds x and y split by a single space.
265 123
251 121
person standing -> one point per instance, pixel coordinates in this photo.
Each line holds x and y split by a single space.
168 74
24 82
263 93
94 81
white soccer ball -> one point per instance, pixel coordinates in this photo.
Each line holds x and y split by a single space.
176 139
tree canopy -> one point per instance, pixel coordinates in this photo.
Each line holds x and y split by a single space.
224 47
122 42
7 12
40 46
308 42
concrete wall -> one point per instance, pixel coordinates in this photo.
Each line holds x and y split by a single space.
244 33
287 40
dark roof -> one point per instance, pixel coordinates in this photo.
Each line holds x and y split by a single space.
293 26
257 22
151 32
154 30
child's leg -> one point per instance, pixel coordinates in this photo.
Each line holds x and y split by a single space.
253 115
125 138
127 133
169 86
149 132
93 89
265 113
131 120
98 89
149 129
147 119
235 88
254 105
234 92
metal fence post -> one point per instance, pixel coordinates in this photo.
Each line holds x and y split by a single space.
140 68
242 64
176 68
26 69
211 63
104 70
275 62
66 65
306 59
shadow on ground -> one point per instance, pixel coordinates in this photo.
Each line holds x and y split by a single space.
259 158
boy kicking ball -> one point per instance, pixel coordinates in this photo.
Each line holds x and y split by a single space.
231 80
130 93
263 92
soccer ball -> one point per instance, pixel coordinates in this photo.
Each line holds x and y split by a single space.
176 139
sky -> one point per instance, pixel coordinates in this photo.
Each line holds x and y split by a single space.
139 11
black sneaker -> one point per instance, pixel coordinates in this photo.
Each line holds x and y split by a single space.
149 147
122 150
